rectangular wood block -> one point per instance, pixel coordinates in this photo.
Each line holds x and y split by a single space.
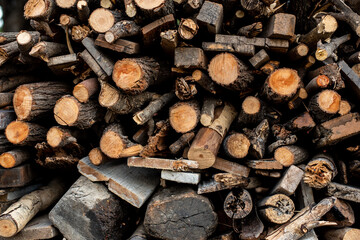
190 57
181 177
134 185
211 16
280 25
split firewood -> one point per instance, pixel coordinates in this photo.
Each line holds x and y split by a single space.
259 59
115 144
204 81
231 167
79 32
169 41
251 226
14 157
67 21
243 50
306 220
26 40
19 176
320 171
231 180
124 28
238 204
101 19
25 133
289 181
350 77
189 57
181 143
258 137
342 233
342 213
177 200
277 208
45 50
251 30
120 45
98 202
20 213
155 9
290 155
206 144
36 99
302 122
236 145
345 192
324 51
188 28
354 58
184 116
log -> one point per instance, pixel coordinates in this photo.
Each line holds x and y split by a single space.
60 136
181 143
280 25
211 16
119 103
83 10
204 81
6 117
251 30
90 203
342 233
349 193
337 129
120 45
190 57
67 21
344 108
6 99
79 32
342 213
66 4
154 106
151 32
134 185
84 90
251 113
184 116
354 58
39 10
298 52
34 100
236 145
258 137
162 163
124 28
59 65
324 29
281 85
20 213
181 177
228 71
291 139
259 59
302 122
347 14
130 8
350 77
264 164
115 144
317 83
239 49
206 144
101 19
135 75
325 105
68 111
320 171
139 233
14 157
212 185
7 51
25 133
238 204
17 177
97 157
193 212
333 72
277 208
289 182
188 28
326 50
267 173
304 221
10 83
251 226
290 155
44 50
155 9
231 167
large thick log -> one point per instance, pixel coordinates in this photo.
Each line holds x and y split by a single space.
101 19
228 71
25 133
188 211
33 100
39 10
258 137
206 144
20 213
98 213
155 9
68 111
124 28
134 185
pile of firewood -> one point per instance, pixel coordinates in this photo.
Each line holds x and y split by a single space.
181 119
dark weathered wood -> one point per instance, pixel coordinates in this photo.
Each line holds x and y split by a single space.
259 59
243 49
231 167
327 50
89 204
333 72
251 30
289 182
342 213
211 16
238 204
320 171
6 117
134 185
181 143
193 212
120 45
280 25
258 137
181 177
151 32
45 50
346 192
277 208
169 41
189 57
290 155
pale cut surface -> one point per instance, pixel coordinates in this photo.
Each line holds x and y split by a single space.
23 38
7 160
127 74
329 101
95 156
352 234
303 50
66 111
149 4
16 132
183 118
284 81
239 145
22 102
81 93
65 3
251 105
108 96
284 156
223 68
7 228
101 20
204 157
329 24
54 136
34 8
111 144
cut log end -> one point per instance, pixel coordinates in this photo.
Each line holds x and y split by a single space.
184 117
55 136
22 102
23 38
284 81
188 29
65 3
66 111
97 157
277 208
8 228
112 144
329 101
34 8
101 20
344 107
81 93
149 4
319 173
7 160
251 105
284 156
204 157
109 37
329 24
237 145
223 68
16 132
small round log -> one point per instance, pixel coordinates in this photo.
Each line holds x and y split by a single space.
251 113
124 28
325 105
236 145
97 157
14 157
290 155
66 3
59 137
188 29
238 204
277 208
344 108
184 116
318 82
87 88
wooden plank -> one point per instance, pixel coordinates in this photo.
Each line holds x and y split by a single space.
231 167
6 117
134 185
120 45
17 177
181 177
38 228
162 163
264 164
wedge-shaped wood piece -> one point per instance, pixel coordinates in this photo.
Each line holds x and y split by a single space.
134 185
181 177
151 32
89 211
58 63
280 25
162 163
289 182
351 78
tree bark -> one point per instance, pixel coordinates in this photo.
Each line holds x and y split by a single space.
14 157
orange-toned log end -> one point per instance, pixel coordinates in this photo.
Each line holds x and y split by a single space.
7 160
251 105
101 20
184 117
224 69
81 93
66 111
284 82
111 144
128 75
284 156
17 132
57 137
97 157
8 227
322 81
65 3
22 102
344 108
329 101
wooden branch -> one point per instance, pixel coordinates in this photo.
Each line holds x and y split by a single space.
251 30
79 32
7 51
342 214
345 192
181 143
327 50
45 50
266 164
298 52
236 145
258 137
350 77
94 66
84 90
204 81
130 8
290 155
39 10
83 10
124 28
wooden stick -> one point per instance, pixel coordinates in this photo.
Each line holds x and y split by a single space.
347 14
290 155
204 81
345 192
45 50
181 143
251 30
326 50
298 52
190 57
280 25
124 28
